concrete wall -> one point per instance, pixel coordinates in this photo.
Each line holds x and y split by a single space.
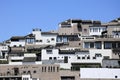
111 63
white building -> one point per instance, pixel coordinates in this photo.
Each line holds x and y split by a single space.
68 57
41 38
99 73
3 51
17 41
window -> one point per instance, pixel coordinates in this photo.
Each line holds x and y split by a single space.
118 45
88 57
42 69
15 46
53 69
85 30
78 57
59 39
86 45
108 45
38 40
106 57
52 39
99 29
91 45
25 78
45 69
90 29
28 72
48 41
24 72
98 45
94 57
30 40
116 76
95 29
48 69
49 51
83 57
57 69
98 55
50 58
65 39
34 71
55 58
20 45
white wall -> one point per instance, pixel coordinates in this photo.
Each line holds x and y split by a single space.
104 52
106 73
72 58
17 43
3 49
46 38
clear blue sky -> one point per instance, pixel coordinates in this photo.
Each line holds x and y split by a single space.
19 17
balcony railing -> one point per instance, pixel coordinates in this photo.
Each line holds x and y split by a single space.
108 36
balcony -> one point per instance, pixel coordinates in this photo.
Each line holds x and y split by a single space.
108 38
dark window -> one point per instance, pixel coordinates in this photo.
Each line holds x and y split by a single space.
94 57
55 58
48 69
118 45
78 57
20 45
116 76
83 57
40 40
106 57
45 69
85 30
53 69
28 72
15 46
42 69
34 71
24 72
50 58
57 69
114 45
119 62
49 51
88 57
52 39
91 45
65 59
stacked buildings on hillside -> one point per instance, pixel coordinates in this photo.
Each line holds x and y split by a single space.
59 55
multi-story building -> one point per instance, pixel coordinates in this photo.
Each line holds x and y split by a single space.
78 43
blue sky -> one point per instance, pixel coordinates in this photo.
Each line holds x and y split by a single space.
19 17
